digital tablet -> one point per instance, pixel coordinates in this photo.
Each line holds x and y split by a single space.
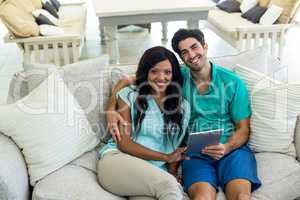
198 140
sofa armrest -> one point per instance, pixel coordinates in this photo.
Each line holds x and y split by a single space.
13 172
66 37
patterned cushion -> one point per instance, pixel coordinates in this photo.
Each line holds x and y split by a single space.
275 108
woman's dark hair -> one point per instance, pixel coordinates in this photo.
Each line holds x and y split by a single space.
183 34
172 112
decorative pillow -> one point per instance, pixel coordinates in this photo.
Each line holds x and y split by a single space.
89 82
271 15
25 5
230 6
275 107
37 4
289 9
48 30
56 4
42 19
264 3
19 22
254 14
49 127
38 12
50 8
247 5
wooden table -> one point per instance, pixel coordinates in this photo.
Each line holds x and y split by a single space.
112 13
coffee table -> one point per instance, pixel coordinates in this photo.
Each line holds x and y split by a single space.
112 13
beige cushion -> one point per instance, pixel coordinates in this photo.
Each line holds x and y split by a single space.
19 22
264 3
280 177
49 126
71 182
275 108
25 5
37 4
289 9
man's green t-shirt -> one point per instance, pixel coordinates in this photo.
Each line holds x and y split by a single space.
224 103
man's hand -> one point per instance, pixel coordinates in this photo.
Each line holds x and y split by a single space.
217 151
113 118
177 155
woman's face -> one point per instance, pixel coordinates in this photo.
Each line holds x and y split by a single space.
160 76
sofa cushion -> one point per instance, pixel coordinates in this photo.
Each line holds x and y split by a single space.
263 3
51 128
56 4
254 14
37 4
19 22
48 30
25 5
13 171
280 177
71 182
289 9
275 108
50 8
44 12
227 22
229 6
247 5
88 81
271 15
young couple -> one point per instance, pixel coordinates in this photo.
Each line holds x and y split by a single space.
163 104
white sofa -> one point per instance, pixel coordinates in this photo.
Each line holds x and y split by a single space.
59 49
280 173
244 34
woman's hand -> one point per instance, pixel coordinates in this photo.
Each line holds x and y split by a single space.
177 155
113 118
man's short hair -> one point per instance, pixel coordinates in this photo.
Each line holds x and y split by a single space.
183 34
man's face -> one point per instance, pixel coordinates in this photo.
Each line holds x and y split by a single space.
193 53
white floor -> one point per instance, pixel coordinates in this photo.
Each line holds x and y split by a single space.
132 45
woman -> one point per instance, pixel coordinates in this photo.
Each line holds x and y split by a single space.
156 120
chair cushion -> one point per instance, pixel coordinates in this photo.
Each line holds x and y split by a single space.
255 13
71 182
289 9
263 3
229 6
271 15
19 22
247 5
25 5
37 4
280 177
50 8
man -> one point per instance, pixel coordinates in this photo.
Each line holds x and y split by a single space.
219 100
